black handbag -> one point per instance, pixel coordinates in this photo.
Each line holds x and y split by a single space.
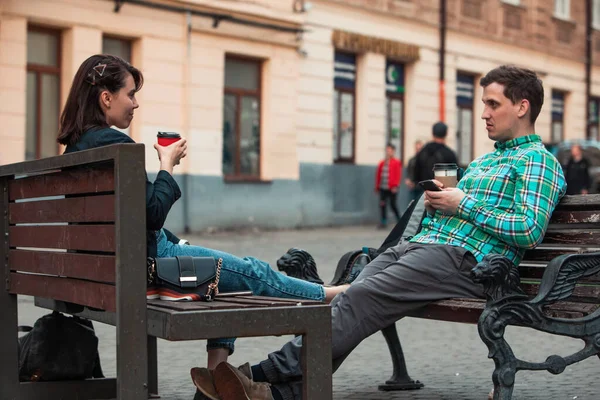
185 277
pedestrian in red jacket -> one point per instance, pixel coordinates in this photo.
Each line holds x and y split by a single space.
387 180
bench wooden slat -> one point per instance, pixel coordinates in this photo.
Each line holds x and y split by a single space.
93 267
230 303
582 293
576 237
579 202
469 310
257 302
575 217
75 181
545 254
194 305
71 237
567 309
92 294
531 271
282 300
456 310
75 209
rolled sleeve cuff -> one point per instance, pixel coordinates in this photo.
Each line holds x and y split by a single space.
467 205
168 178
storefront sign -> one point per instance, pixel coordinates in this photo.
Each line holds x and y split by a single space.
465 85
344 73
356 43
394 77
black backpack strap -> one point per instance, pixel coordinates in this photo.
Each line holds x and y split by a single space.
396 234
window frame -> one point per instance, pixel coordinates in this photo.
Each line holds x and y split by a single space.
237 176
121 39
40 70
340 90
472 122
596 14
512 2
389 97
564 14
553 119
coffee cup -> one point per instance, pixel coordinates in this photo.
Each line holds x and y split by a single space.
167 138
447 173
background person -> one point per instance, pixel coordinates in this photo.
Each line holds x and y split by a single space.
577 172
387 180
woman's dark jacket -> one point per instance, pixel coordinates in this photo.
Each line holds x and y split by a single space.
160 195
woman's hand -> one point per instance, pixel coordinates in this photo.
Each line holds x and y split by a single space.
171 155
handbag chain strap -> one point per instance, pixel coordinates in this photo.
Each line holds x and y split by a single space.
213 287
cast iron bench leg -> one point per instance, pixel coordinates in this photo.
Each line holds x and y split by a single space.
400 379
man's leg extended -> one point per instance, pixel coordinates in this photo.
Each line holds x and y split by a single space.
404 278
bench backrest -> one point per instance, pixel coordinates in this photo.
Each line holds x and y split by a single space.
574 228
74 227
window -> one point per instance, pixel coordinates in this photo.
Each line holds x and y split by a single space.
394 88
562 9
465 87
43 93
117 47
472 8
513 2
344 107
558 111
593 123
596 14
241 119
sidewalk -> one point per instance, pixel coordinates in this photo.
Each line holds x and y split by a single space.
448 357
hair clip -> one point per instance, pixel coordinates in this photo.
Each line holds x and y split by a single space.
100 69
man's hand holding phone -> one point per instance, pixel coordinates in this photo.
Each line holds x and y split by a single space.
431 184
439 198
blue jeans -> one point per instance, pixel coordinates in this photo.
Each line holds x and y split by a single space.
243 274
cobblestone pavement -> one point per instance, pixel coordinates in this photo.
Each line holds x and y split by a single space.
448 357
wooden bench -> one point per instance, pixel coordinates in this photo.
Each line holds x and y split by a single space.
87 247
559 294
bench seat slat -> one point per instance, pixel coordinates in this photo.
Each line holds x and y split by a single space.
576 217
70 237
229 303
75 181
92 294
192 305
582 293
540 254
529 271
73 209
469 310
579 202
575 237
92 267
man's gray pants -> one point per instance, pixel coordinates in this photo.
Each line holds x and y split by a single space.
404 278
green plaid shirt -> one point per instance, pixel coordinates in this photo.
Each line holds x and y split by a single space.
510 196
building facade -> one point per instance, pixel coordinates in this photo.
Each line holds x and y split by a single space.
287 104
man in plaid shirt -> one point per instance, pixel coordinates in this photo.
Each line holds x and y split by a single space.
502 205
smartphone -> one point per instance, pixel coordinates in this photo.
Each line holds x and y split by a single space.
429 185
